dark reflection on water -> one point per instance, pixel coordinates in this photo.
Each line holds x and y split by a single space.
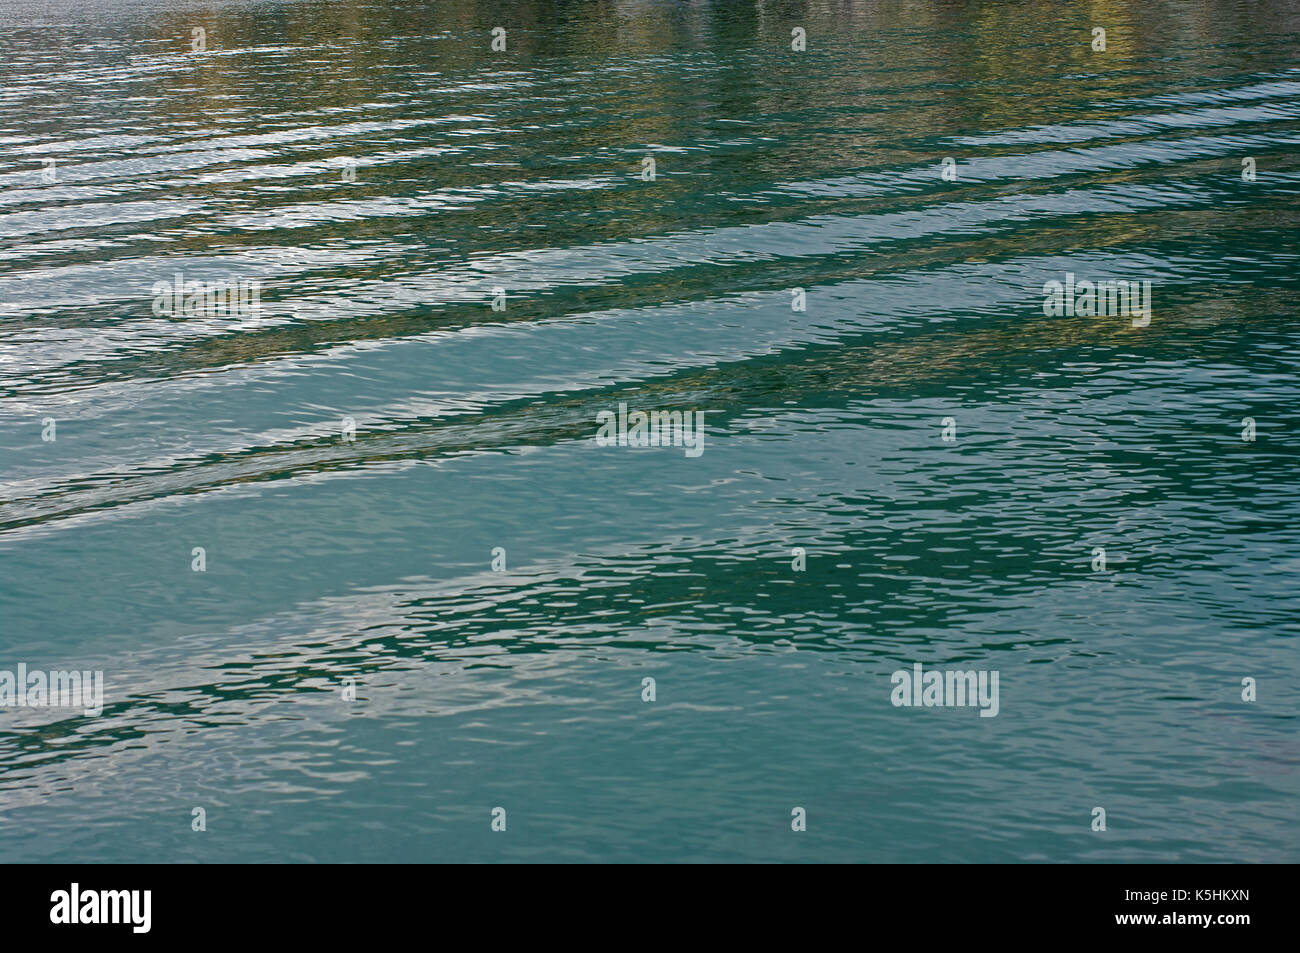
371 559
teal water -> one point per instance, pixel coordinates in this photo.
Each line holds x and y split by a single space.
371 559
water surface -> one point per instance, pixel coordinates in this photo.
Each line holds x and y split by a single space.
371 559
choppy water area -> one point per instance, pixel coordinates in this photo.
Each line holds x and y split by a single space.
352 455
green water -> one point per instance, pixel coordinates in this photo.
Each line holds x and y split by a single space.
380 170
